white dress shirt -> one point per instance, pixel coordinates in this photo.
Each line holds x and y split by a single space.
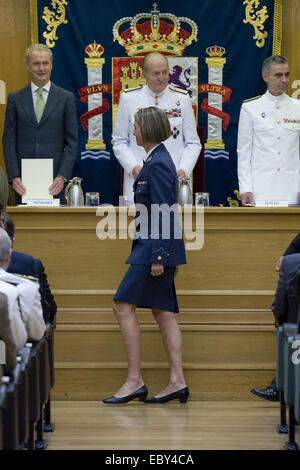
34 90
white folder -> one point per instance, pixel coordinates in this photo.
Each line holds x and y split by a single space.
37 177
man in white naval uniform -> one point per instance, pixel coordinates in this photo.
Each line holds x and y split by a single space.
268 140
184 145
23 297
17 326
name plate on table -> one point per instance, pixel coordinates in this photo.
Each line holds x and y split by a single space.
43 202
272 203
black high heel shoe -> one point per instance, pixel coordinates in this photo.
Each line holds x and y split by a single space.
140 393
181 394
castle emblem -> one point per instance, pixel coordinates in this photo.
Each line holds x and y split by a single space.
132 76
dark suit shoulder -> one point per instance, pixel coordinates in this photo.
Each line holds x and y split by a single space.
38 267
160 155
21 257
294 246
19 92
21 263
162 168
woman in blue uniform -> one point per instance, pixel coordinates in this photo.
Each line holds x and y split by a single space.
157 249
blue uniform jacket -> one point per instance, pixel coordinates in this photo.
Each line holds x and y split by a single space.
158 237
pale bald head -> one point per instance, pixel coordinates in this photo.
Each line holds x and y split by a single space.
153 56
5 248
156 72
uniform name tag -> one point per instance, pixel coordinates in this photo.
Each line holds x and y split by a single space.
272 203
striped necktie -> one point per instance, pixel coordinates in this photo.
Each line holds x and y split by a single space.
40 104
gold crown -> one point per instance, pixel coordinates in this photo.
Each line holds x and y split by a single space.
215 51
159 32
94 50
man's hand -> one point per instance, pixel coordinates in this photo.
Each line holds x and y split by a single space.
181 174
136 171
247 198
18 186
56 186
157 269
278 264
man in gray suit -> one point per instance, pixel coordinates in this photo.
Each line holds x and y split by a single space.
40 122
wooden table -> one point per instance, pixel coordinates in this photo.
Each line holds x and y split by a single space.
236 263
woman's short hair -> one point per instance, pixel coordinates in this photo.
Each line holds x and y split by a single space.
9 226
154 124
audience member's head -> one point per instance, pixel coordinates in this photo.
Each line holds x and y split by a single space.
1 219
5 249
9 226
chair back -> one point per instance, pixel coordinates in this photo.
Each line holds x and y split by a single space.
11 412
298 318
294 301
3 404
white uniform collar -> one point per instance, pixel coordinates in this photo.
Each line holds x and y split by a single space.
275 99
151 93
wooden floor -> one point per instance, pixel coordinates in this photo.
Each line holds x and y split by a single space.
198 425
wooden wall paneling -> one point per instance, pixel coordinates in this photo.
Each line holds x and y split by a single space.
14 40
291 42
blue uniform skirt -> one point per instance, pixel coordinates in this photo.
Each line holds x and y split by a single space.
138 287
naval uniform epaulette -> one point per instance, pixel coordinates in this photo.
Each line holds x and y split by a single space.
174 88
132 89
251 99
30 278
